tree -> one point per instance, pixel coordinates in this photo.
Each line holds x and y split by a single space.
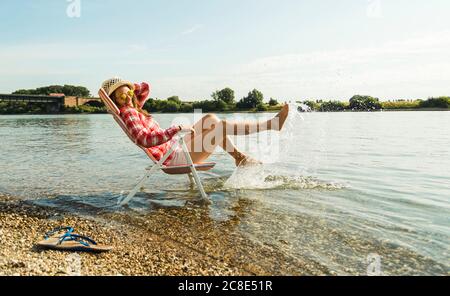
364 103
68 90
312 104
441 102
171 107
273 102
175 99
262 107
331 106
150 105
253 99
187 108
221 105
226 95
205 106
23 92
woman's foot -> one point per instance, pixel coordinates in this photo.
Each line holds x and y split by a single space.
279 120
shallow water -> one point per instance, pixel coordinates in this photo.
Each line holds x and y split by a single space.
337 188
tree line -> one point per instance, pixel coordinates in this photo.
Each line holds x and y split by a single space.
368 103
68 90
221 101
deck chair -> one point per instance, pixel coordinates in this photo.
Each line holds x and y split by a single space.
190 168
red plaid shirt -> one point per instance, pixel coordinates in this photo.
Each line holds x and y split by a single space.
144 130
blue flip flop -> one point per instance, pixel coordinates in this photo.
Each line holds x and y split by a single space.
56 232
69 241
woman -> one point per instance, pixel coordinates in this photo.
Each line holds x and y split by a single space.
204 137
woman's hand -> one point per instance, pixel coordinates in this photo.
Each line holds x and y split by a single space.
186 129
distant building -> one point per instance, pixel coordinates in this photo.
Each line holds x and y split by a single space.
76 101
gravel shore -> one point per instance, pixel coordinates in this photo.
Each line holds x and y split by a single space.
162 244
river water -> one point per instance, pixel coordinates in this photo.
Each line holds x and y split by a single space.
357 192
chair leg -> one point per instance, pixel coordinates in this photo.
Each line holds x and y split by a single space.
194 171
199 183
191 181
147 175
136 188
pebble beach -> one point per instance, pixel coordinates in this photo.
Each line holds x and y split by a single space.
157 246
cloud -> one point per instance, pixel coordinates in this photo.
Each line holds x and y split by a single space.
412 68
409 68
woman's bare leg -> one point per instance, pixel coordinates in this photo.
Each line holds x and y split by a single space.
211 132
208 135
251 127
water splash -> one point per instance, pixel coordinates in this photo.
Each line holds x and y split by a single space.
264 177
279 172
294 121
300 107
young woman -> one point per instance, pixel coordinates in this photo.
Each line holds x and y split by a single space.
204 136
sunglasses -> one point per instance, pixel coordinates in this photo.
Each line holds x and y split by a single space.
124 95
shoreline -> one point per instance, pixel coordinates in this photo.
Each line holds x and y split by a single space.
249 112
159 245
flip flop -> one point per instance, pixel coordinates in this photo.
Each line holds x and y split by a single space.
57 232
70 241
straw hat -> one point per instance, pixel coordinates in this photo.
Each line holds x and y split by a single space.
112 84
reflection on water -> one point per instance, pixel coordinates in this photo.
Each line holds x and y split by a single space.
344 185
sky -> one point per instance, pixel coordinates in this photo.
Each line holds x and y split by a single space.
289 49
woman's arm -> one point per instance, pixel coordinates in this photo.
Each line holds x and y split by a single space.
143 136
142 91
